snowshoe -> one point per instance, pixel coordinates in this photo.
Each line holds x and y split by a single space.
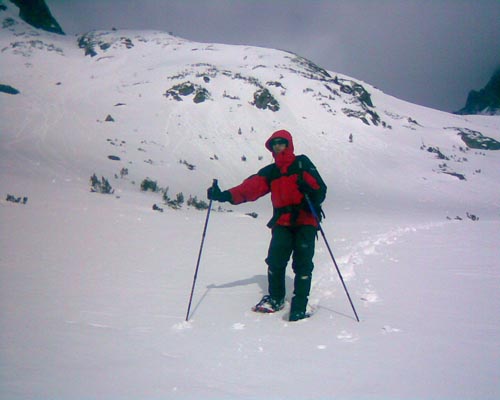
269 305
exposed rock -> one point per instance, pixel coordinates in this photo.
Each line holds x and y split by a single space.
456 175
364 115
476 140
186 89
8 89
92 42
86 43
485 101
438 153
201 95
308 69
263 99
37 14
359 91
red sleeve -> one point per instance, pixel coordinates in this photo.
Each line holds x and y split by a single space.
309 179
250 189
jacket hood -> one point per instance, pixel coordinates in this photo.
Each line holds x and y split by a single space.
284 159
283 134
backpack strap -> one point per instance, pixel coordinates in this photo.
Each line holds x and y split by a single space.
302 163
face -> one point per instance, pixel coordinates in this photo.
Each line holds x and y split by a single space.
278 148
278 145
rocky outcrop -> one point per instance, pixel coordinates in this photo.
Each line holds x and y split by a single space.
264 100
486 101
8 89
186 89
37 14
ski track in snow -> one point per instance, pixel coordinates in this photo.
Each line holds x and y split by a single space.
326 282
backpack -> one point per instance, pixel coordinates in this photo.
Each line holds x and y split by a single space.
300 164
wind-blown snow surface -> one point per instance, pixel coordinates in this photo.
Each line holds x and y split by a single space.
94 288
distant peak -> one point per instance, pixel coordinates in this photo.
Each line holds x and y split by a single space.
37 14
485 101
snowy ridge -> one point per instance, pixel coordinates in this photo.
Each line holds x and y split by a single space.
94 287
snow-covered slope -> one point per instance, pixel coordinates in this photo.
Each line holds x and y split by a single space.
66 96
94 287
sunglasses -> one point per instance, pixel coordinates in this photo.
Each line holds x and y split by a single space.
279 141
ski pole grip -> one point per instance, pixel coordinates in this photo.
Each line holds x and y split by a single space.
215 182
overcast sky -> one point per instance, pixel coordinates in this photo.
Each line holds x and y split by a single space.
428 52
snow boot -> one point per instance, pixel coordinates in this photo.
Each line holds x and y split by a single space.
298 308
298 315
269 305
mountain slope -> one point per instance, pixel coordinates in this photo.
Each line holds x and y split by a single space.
94 287
133 77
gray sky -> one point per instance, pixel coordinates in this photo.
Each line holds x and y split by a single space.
428 52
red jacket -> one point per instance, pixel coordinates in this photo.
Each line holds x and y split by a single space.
282 179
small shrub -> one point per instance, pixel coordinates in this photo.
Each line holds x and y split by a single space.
148 184
14 199
472 217
100 186
436 151
175 204
189 166
156 208
179 198
198 204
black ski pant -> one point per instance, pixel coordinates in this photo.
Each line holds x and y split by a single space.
285 241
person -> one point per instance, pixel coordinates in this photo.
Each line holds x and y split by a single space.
294 227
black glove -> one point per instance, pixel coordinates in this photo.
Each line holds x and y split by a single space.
311 194
305 188
214 193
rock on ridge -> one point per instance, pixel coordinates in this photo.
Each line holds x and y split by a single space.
37 14
485 101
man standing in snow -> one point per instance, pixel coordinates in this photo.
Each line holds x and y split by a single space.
289 179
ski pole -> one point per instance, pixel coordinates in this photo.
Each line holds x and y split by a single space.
214 184
311 207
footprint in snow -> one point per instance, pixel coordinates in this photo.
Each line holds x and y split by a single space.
389 329
370 297
102 326
238 326
181 326
347 337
